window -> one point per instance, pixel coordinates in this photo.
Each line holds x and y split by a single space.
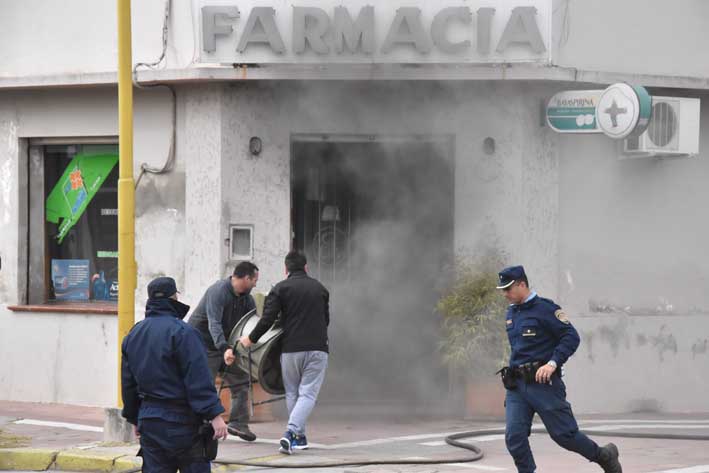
73 223
242 242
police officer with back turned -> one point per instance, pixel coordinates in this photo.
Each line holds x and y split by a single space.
168 391
542 339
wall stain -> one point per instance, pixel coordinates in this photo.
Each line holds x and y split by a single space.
664 342
616 336
105 336
587 339
57 367
699 348
641 339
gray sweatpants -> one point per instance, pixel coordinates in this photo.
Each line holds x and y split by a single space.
303 375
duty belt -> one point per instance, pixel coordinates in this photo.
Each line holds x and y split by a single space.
156 401
526 371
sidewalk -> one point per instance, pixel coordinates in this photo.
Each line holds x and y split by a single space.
37 437
65 437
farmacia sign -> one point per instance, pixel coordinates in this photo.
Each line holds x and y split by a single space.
388 32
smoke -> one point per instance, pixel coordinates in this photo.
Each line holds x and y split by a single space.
375 205
380 237
605 238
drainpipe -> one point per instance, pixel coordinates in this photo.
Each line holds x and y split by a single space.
126 186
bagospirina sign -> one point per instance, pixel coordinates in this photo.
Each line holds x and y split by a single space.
574 111
396 31
619 111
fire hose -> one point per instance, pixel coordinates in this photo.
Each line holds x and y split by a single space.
453 440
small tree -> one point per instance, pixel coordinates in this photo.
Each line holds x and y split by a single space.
473 311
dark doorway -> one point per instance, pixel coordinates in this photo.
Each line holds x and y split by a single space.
375 219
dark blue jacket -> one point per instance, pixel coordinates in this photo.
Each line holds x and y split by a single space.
164 373
539 330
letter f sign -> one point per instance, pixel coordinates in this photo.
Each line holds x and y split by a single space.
210 28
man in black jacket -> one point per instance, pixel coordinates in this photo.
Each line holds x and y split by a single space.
222 306
305 315
166 387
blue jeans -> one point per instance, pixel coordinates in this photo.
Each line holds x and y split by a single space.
164 446
549 401
303 375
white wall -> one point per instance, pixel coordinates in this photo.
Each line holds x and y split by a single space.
204 230
183 218
628 363
632 240
632 36
79 36
509 199
627 232
10 208
63 358
45 355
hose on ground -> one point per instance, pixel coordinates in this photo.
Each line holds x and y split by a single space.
454 441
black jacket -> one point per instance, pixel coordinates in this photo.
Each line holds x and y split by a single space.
164 372
304 305
218 312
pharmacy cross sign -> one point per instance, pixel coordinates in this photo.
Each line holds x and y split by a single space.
614 110
618 111
623 110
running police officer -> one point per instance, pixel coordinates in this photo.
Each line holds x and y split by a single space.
542 339
168 392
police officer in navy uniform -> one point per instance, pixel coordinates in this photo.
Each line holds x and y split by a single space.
542 339
168 391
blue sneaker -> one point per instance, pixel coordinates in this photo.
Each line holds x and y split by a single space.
300 443
287 443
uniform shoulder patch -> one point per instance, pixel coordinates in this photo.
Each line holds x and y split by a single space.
561 315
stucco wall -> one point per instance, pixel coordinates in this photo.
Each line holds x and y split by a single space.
632 36
45 355
183 217
633 274
508 198
586 225
629 37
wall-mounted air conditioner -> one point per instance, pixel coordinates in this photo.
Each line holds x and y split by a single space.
673 130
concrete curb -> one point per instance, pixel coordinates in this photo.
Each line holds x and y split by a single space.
27 459
36 459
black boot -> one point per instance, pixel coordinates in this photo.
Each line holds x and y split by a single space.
241 431
608 459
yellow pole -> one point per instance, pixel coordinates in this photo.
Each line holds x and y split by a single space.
126 186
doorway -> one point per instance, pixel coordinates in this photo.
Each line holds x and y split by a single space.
374 216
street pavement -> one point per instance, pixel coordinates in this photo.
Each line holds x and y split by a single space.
339 434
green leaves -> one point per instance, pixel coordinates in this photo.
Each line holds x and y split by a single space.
473 319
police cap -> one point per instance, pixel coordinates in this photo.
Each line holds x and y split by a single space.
161 288
509 275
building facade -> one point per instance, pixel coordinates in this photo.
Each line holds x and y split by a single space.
386 142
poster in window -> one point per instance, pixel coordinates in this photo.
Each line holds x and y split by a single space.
79 183
70 278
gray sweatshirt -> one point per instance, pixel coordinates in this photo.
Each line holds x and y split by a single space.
218 312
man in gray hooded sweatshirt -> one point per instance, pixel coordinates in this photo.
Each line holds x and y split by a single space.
222 306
